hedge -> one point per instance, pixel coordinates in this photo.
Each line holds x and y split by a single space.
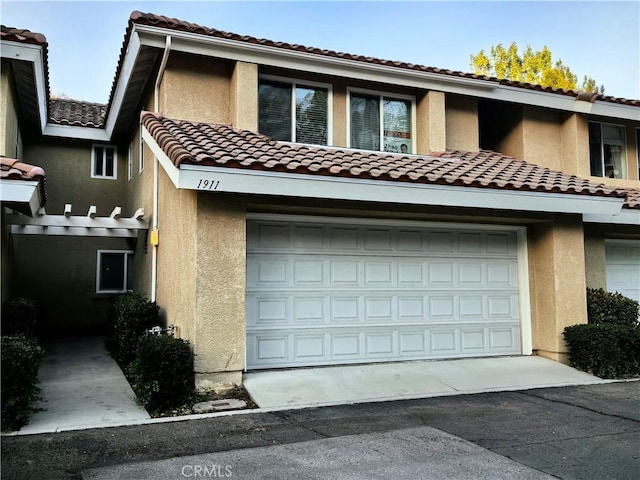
21 357
20 317
162 374
611 308
607 351
130 316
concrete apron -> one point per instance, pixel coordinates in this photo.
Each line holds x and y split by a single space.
323 386
82 387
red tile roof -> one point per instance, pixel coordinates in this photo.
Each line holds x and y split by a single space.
64 111
187 142
151 19
13 169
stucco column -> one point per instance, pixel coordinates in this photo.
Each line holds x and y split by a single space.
431 123
219 342
575 146
462 123
243 102
557 269
595 257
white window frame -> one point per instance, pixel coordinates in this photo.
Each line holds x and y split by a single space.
140 153
99 253
382 95
104 160
130 163
303 83
638 150
625 162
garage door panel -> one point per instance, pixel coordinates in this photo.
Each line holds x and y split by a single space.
321 293
623 268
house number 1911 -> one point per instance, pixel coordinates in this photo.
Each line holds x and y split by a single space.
204 184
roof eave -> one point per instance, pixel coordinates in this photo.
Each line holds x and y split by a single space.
195 43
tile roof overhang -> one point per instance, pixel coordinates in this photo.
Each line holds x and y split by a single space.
22 186
204 156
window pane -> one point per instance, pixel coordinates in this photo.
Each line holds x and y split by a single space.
595 149
129 271
111 271
274 110
397 126
98 166
311 115
109 162
365 122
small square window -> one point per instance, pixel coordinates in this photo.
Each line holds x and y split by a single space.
104 162
114 271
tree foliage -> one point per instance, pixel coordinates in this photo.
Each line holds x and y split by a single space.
536 67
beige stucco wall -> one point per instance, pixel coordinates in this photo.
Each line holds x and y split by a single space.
557 281
10 139
219 341
594 257
67 165
243 102
177 260
461 114
541 137
196 88
430 123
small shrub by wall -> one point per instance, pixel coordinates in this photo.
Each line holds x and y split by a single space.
20 317
607 351
131 314
162 374
21 357
611 308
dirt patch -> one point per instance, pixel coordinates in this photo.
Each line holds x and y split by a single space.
238 392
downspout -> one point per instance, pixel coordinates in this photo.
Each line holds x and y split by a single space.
155 223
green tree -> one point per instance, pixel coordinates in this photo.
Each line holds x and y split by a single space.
536 67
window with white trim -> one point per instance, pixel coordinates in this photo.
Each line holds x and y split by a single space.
104 162
607 150
141 154
381 122
638 150
130 162
114 271
292 111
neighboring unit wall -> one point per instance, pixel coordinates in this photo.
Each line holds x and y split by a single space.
557 279
462 123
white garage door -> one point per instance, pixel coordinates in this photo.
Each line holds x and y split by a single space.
348 292
623 268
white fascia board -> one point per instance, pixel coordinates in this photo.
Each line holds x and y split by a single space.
77 222
73 231
279 57
130 57
21 191
168 166
80 133
625 217
33 54
193 177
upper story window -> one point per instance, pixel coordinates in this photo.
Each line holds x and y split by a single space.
607 150
380 122
293 111
104 162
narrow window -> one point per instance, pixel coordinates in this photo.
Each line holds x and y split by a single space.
104 162
114 271
293 112
607 150
141 154
381 123
130 163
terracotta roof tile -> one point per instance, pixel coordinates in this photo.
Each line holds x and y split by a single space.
187 142
76 113
182 26
12 169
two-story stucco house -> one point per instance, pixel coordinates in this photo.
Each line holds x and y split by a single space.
289 206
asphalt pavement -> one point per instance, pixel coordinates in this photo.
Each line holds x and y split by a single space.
578 432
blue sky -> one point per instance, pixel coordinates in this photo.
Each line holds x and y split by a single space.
600 39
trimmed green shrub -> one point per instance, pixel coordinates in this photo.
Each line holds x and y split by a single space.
607 351
130 316
611 308
20 317
162 373
21 357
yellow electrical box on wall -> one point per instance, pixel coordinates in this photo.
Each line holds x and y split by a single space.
153 238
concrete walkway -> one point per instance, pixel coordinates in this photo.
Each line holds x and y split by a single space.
324 386
82 387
